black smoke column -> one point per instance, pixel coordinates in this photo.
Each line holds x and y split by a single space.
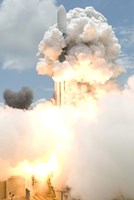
21 99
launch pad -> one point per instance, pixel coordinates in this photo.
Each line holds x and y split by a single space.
15 189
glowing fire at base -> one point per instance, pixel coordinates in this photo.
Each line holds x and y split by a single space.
38 177
41 170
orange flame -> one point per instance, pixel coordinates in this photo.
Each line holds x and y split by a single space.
38 168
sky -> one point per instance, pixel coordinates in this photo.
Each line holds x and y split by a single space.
22 27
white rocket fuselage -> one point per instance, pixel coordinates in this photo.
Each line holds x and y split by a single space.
61 87
61 19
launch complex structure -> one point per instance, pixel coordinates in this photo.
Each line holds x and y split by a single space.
60 91
14 189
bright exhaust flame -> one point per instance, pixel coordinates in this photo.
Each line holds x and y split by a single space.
41 170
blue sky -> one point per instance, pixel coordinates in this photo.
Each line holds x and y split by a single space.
23 24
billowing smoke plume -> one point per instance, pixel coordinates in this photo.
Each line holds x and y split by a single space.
94 150
84 56
21 99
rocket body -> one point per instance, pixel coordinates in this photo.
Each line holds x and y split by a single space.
61 19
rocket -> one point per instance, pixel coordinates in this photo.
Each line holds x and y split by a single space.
60 87
62 26
61 19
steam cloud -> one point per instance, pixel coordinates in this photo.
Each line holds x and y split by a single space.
94 147
21 99
91 49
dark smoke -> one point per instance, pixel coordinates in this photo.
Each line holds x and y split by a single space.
21 99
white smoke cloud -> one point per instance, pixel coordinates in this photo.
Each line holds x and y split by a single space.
95 151
103 149
88 38
86 54
22 24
